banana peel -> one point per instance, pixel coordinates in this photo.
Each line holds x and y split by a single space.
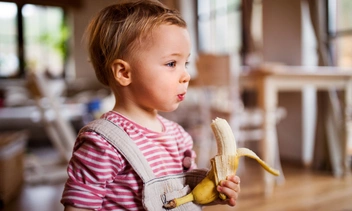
223 164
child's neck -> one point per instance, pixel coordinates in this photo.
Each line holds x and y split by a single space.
144 118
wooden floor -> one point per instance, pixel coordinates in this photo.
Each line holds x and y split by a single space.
303 190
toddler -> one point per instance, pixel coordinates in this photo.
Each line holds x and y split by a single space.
140 50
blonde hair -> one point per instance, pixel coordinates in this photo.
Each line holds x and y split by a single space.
118 29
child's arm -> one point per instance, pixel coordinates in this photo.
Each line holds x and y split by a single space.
91 154
231 188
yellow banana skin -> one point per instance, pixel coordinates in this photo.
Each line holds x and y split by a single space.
249 153
204 193
223 164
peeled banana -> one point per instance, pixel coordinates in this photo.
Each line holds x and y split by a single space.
223 164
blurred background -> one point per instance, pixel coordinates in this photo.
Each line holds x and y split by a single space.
280 71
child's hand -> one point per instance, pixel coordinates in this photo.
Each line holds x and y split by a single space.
231 188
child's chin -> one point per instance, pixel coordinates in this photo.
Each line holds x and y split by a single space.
169 109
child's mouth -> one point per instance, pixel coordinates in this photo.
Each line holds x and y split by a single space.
181 97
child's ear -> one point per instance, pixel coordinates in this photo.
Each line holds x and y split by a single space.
121 71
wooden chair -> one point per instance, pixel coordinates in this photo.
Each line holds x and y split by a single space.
60 131
218 77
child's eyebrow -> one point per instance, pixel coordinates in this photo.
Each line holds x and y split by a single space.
176 54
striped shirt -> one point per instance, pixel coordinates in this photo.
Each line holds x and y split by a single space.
101 179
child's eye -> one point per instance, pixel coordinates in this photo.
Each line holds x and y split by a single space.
171 64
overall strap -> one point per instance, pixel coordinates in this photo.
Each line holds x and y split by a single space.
117 137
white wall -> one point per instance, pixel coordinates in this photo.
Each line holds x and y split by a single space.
187 10
81 17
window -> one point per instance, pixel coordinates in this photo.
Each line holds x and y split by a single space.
340 31
32 38
219 26
9 62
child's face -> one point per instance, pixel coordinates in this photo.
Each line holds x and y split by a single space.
158 69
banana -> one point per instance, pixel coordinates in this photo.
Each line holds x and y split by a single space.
223 164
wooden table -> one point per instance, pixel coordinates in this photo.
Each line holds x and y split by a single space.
269 81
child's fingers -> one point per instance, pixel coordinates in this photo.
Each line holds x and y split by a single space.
231 194
234 179
229 188
231 202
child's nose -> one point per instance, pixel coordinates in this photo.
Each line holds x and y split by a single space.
186 77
